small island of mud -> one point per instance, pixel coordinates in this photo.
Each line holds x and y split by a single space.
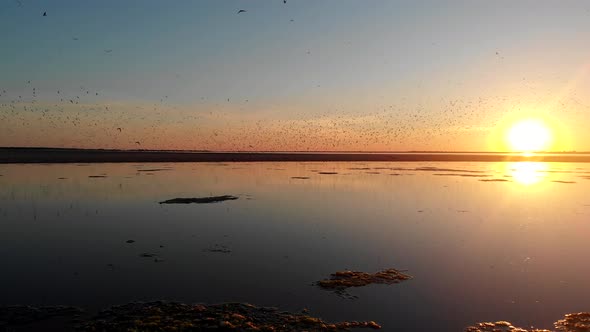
463 175
342 280
154 170
576 322
200 200
494 180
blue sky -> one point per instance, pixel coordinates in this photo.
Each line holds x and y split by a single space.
352 57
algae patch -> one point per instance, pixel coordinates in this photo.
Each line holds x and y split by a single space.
167 316
575 322
345 279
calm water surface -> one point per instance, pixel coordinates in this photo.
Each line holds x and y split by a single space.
510 249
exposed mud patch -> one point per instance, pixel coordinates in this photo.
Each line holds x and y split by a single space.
200 200
345 279
494 180
576 322
164 316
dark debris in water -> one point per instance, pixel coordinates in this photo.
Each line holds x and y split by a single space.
147 255
219 248
345 279
200 200
166 316
576 322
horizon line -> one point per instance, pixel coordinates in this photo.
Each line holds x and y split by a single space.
287 151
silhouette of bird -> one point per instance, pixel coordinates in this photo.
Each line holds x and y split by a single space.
241 11
44 13
119 129
108 51
137 143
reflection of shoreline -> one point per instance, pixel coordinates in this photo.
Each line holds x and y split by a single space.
29 155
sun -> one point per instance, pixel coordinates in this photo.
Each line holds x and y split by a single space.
529 135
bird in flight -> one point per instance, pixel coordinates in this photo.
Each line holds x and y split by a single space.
44 13
119 129
137 143
108 51
241 11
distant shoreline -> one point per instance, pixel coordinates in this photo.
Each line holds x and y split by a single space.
59 155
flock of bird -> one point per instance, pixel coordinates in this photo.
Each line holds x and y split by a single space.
82 118
85 118
19 3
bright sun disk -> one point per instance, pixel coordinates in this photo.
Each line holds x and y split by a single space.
529 136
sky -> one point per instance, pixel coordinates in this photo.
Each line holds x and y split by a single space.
308 75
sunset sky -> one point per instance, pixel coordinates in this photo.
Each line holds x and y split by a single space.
338 75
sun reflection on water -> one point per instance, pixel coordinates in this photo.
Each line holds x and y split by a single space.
528 173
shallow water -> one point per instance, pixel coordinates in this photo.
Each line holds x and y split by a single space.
513 248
